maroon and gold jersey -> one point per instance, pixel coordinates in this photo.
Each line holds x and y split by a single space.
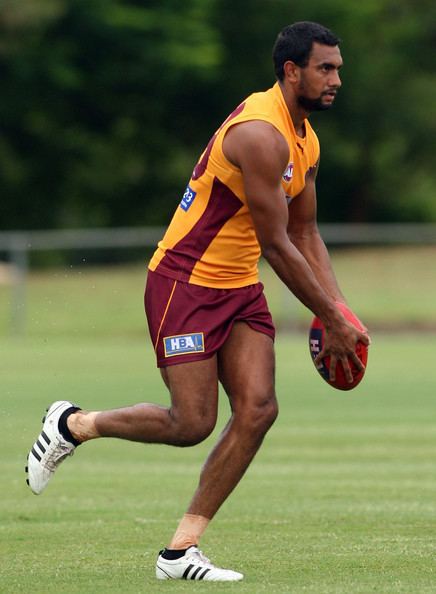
211 239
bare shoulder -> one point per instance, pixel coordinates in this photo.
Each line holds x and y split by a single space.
253 142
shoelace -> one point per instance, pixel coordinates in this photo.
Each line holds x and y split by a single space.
198 556
53 459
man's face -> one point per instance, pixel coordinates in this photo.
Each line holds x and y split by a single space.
319 80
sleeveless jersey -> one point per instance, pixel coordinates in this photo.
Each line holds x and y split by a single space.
211 239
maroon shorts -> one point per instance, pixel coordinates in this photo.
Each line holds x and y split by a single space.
188 322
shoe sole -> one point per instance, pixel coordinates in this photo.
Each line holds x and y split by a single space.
26 468
198 574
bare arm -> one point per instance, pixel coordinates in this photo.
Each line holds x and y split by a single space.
262 154
304 234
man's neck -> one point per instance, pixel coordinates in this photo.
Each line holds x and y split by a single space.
297 113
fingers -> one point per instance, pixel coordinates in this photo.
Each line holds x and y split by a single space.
365 338
318 361
333 363
334 353
344 361
357 362
332 368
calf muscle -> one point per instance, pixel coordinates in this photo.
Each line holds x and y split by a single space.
188 420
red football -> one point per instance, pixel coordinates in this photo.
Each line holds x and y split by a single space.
316 343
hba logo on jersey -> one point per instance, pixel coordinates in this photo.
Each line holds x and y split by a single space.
188 198
183 344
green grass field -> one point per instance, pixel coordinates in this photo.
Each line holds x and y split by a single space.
340 499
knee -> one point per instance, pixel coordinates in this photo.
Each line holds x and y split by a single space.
194 430
266 413
260 414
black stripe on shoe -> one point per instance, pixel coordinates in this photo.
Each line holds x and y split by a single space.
187 570
45 438
35 453
200 577
193 576
41 447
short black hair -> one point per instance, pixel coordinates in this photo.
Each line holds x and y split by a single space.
295 42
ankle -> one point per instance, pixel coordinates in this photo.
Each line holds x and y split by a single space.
82 425
189 532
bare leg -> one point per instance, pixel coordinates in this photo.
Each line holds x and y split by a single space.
190 418
246 369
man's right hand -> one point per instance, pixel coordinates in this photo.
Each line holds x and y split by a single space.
340 343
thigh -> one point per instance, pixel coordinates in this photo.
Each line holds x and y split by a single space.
247 366
193 388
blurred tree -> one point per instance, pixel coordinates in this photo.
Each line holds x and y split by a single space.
379 162
101 100
106 104
377 156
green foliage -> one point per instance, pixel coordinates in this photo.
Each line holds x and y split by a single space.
97 96
384 114
106 104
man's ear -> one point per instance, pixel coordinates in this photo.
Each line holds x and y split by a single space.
291 71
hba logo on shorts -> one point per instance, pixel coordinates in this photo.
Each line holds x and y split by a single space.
188 198
183 344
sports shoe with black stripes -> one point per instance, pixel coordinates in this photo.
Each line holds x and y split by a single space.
50 449
193 566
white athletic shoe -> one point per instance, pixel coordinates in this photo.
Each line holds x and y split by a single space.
49 450
193 566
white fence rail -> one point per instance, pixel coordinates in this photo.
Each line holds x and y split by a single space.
333 233
16 245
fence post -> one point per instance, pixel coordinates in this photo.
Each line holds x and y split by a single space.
18 250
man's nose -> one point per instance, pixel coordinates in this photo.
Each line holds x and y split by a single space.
336 79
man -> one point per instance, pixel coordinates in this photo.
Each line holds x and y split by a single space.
252 192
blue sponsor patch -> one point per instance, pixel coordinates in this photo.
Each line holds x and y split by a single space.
188 198
183 344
